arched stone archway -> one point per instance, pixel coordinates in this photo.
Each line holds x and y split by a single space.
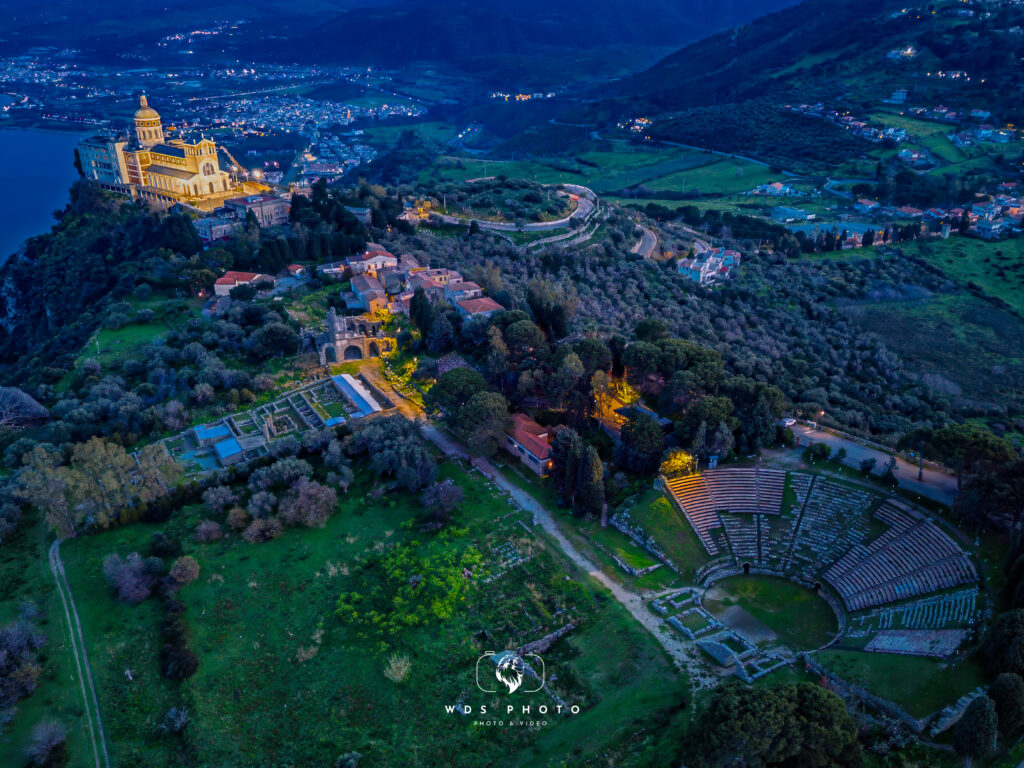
746 568
330 355
353 352
373 350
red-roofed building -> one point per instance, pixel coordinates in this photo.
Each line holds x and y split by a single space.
223 285
480 307
530 442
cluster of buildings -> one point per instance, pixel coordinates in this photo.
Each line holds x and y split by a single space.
287 113
710 265
980 134
1000 216
638 125
381 282
860 127
334 155
778 189
270 211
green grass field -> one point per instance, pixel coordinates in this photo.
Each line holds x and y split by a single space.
799 618
25 578
665 523
921 686
997 267
282 681
610 170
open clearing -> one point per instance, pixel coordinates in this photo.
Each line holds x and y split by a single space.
282 680
800 618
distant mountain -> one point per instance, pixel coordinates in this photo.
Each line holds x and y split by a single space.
727 91
461 30
741 63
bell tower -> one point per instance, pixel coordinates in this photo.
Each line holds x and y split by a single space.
149 129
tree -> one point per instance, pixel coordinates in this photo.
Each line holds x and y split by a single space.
798 724
641 441
975 732
721 442
48 737
1007 693
132 577
218 498
184 570
481 423
455 387
523 337
440 500
677 463
308 503
566 450
1003 648
641 359
589 496
442 334
421 311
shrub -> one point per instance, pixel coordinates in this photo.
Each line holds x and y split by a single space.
263 529
19 666
184 570
262 504
238 518
308 504
397 667
132 577
48 741
208 530
218 498
175 720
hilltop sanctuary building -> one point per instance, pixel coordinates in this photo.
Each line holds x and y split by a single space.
162 171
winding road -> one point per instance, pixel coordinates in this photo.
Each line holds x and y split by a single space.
93 719
647 243
586 206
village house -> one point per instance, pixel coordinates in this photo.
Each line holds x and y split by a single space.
232 279
710 266
368 293
269 210
460 291
866 206
530 442
471 309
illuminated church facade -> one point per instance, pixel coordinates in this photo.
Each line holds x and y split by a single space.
183 169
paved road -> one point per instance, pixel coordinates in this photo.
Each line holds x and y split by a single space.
934 484
586 206
648 242
92 705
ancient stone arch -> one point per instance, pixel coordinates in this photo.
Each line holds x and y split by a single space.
353 352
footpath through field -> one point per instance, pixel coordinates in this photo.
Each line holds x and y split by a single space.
93 719
684 654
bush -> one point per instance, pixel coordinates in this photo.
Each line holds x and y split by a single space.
262 504
48 742
208 530
263 529
184 570
238 518
308 504
818 452
133 577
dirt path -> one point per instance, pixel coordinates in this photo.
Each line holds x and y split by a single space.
89 698
686 655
